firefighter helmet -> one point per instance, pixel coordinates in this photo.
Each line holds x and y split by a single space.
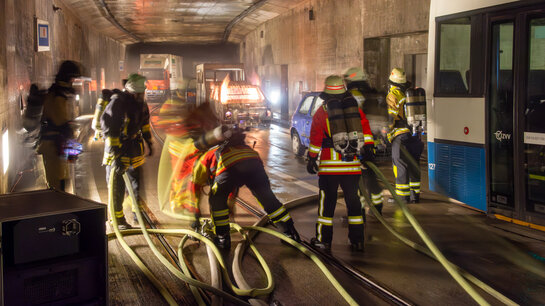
67 71
398 76
355 74
136 83
334 85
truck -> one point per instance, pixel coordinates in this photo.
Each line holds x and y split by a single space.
163 73
233 99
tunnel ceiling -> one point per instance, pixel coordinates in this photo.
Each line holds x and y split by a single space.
185 22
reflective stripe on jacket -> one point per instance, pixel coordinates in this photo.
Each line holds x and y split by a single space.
330 160
214 163
397 122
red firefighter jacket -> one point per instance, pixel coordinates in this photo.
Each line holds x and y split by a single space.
330 161
213 163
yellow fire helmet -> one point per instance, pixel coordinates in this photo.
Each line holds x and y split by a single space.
334 85
355 74
398 76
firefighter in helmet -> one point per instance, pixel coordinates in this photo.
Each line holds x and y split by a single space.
337 165
57 129
228 167
125 126
407 178
357 84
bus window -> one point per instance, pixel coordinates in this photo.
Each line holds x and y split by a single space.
454 57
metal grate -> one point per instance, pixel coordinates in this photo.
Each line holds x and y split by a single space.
51 287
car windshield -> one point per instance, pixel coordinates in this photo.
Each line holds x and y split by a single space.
319 101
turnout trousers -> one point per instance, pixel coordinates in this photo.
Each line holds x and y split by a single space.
406 176
329 185
251 174
370 181
119 188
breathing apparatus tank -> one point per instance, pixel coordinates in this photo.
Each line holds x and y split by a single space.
213 137
415 109
352 118
344 119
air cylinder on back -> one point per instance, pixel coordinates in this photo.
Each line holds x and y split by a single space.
354 129
213 137
415 109
337 125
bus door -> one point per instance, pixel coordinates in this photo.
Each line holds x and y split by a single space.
534 116
516 112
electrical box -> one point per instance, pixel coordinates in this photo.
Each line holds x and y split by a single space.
53 250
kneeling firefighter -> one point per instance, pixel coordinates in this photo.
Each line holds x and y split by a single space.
56 125
125 126
357 84
229 167
341 132
407 178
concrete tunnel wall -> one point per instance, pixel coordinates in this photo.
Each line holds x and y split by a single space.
333 42
21 65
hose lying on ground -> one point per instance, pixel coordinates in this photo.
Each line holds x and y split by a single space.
184 276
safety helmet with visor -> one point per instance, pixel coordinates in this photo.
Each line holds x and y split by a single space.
334 85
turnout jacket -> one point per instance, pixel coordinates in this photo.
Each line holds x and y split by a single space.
125 124
218 160
320 141
397 121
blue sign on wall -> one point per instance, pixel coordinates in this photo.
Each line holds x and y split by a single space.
43 38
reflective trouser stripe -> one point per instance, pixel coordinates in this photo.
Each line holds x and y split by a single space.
325 221
322 221
321 207
415 186
355 220
402 189
220 213
284 219
119 214
376 198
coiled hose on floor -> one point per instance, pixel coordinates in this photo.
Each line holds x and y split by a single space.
184 275
458 274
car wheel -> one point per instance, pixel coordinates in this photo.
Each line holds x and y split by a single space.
296 145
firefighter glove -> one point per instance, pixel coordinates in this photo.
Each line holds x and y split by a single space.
368 153
312 166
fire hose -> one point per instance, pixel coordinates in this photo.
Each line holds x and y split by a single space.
457 273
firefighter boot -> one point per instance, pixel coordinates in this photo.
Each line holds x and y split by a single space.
223 241
415 197
288 229
122 224
357 247
324 246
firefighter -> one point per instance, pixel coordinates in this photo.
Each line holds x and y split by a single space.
335 169
185 143
56 125
229 167
407 178
125 126
357 84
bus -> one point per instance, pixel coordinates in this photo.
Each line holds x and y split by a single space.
486 106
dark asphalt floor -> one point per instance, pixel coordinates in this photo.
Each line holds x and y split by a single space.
508 257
